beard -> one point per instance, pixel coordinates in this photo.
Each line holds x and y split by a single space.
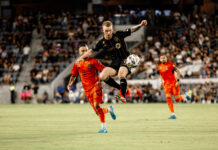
108 37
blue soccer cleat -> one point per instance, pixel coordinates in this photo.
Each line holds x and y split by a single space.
187 96
173 116
113 116
104 130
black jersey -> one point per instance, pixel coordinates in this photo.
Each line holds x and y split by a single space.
115 49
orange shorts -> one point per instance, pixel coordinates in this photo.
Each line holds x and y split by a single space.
95 95
171 89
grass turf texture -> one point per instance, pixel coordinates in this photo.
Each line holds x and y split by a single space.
138 126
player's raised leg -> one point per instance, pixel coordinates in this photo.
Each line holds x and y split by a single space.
178 97
106 75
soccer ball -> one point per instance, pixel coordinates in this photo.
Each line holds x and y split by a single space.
132 61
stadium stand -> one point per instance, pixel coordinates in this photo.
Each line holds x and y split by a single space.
190 42
15 38
61 37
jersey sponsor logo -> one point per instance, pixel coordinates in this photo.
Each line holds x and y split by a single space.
164 69
116 39
118 45
110 49
104 44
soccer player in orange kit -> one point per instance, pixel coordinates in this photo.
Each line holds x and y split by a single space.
170 83
88 72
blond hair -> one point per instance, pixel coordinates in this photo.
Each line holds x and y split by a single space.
107 23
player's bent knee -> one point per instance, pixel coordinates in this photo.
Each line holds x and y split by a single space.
168 98
123 71
122 74
103 76
96 105
106 73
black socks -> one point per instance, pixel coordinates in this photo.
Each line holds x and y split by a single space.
110 81
123 86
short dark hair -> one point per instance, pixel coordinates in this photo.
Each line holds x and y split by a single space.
83 44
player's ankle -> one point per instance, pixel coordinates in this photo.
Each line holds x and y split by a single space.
103 125
109 110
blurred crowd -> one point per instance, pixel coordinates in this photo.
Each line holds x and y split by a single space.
205 93
15 38
187 40
202 93
62 35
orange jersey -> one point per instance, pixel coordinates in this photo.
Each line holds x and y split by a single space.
88 72
167 73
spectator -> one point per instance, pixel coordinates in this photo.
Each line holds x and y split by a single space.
61 96
7 78
128 94
111 95
16 67
12 91
74 95
45 98
35 88
26 52
137 94
26 94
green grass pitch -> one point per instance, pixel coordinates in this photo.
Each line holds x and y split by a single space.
138 127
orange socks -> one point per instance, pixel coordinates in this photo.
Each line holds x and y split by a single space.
181 97
101 114
170 104
105 110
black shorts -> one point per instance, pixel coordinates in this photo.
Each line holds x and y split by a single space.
116 65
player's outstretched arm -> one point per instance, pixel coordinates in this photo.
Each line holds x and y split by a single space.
135 28
85 55
178 74
70 84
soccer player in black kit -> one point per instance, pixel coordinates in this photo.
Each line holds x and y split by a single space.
114 46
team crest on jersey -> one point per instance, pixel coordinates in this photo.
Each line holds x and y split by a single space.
118 45
89 66
104 44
